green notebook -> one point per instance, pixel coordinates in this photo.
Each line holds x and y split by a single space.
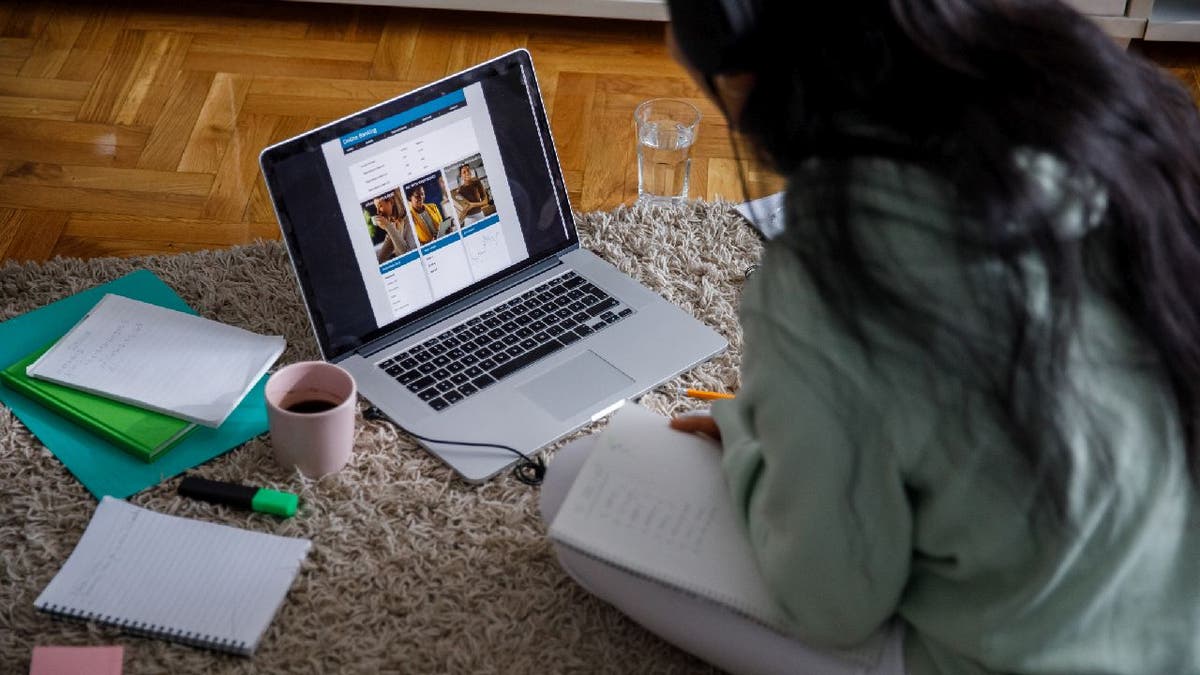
146 434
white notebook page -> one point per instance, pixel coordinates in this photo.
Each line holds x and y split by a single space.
766 214
173 575
176 363
653 500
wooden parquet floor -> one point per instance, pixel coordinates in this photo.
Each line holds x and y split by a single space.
130 127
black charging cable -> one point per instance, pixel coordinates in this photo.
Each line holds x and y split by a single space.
529 470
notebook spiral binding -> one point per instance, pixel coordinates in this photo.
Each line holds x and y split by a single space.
150 630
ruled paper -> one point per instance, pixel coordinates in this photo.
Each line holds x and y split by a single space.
653 500
175 576
176 363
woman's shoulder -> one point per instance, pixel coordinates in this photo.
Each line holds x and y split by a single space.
895 212
867 190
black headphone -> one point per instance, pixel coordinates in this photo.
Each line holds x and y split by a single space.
739 16
715 35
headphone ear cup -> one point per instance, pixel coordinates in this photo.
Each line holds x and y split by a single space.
740 17
713 35
741 20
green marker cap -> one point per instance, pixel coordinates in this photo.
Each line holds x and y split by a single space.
273 501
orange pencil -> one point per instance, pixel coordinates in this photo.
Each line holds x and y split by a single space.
704 395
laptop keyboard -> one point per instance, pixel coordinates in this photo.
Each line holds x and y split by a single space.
496 343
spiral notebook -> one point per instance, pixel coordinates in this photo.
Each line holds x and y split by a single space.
173 578
653 501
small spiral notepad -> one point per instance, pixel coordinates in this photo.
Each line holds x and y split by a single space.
178 579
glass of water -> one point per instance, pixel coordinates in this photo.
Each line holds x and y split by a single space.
666 131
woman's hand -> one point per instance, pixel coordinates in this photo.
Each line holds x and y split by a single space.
693 423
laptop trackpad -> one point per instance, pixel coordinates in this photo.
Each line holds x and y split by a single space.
575 385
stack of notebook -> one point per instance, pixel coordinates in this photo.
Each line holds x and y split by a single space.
143 376
144 433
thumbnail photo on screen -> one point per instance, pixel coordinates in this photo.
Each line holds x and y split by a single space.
429 208
469 190
388 228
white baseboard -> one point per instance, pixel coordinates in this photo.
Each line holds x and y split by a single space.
1099 7
641 10
1182 24
1174 21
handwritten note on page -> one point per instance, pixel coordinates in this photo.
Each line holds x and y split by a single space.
176 363
766 214
653 500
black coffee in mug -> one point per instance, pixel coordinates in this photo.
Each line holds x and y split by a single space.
312 405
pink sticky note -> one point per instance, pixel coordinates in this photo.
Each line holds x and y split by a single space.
77 660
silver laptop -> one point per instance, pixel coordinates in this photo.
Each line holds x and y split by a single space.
436 252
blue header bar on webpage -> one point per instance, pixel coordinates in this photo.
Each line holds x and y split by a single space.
440 242
404 120
398 262
475 227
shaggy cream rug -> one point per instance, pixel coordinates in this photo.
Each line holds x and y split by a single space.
411 570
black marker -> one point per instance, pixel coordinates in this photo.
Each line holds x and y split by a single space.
243 496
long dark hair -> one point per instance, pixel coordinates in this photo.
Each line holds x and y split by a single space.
957 87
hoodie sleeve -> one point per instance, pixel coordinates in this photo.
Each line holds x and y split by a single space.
813 475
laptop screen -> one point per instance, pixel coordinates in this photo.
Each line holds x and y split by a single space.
399 210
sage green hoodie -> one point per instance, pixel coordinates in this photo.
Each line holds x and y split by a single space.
875 485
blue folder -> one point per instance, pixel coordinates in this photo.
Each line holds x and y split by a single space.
103 468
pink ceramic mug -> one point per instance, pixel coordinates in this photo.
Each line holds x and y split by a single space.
310 411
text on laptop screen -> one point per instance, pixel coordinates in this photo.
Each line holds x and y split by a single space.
426 202
420 200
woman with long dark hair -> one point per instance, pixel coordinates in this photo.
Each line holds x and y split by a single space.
967 428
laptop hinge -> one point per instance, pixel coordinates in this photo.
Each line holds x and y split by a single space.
481 296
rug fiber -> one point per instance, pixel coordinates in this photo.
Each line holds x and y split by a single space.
411 570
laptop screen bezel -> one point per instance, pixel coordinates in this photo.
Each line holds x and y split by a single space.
309 143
